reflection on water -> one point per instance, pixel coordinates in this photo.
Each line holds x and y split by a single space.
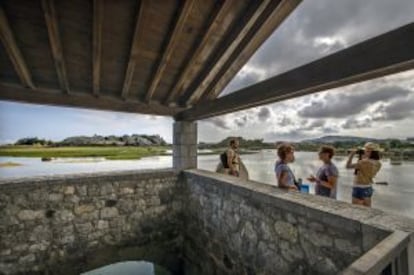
395 197
35 167
129 268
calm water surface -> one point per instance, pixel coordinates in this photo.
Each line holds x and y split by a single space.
397 197
129 268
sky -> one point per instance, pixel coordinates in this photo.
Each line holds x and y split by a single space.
381 108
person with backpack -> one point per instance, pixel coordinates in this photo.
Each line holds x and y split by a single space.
230 159
284 175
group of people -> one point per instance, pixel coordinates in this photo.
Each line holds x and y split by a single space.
326 178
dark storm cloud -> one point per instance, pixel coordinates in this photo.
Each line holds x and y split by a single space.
219 122
294 44
264 114
320 27
348 104
393 111
353 123
316 124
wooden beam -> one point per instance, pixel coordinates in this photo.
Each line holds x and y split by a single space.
241 56
167 53
209 39
135 49
234 38
9 42
55 43
98 14
80 100
388 53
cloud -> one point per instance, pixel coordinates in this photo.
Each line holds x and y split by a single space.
352 103
393 111
353 123
285 121
264 114
291 135
219 122
316 124
248 75
242 121
329 130
310 33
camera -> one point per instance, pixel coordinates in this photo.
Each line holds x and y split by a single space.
360 152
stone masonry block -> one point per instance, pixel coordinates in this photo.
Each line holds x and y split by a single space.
184 151
180 163
185 127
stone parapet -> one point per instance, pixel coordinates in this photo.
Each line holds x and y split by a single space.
68 224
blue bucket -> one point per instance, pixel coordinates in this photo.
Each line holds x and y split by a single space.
304 188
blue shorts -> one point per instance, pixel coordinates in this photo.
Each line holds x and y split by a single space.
362 193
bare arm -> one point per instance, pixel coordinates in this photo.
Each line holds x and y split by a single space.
349 164
282 181
330 183
230 156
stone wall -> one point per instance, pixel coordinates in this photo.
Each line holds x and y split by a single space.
198 223
243 227
68 224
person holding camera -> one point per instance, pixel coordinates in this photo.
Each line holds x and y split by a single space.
366 168
327 175
284 175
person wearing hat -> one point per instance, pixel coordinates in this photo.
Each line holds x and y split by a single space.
366 168
327 175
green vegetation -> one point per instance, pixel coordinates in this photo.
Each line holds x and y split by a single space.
108 152
245 144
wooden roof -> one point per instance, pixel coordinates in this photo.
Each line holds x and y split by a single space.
150 56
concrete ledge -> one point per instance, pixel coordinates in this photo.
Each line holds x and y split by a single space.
375 260
90 177
386 238
310 205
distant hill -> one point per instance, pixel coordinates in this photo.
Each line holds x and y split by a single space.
125 140
333 139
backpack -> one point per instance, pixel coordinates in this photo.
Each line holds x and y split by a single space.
223 158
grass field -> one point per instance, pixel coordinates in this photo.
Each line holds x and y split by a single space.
110 152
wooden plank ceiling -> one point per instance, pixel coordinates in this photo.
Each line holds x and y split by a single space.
151 56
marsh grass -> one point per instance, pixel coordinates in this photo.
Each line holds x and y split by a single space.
108 152
9 164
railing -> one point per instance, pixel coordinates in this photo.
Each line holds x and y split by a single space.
388 257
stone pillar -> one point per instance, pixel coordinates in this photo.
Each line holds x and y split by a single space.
184 145
410 255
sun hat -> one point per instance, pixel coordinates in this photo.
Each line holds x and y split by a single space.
373 147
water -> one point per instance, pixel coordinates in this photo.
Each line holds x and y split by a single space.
394 198
129 268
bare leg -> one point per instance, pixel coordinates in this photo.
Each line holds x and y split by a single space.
357 201
367 202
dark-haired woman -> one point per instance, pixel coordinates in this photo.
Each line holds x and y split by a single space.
366 169
327 175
